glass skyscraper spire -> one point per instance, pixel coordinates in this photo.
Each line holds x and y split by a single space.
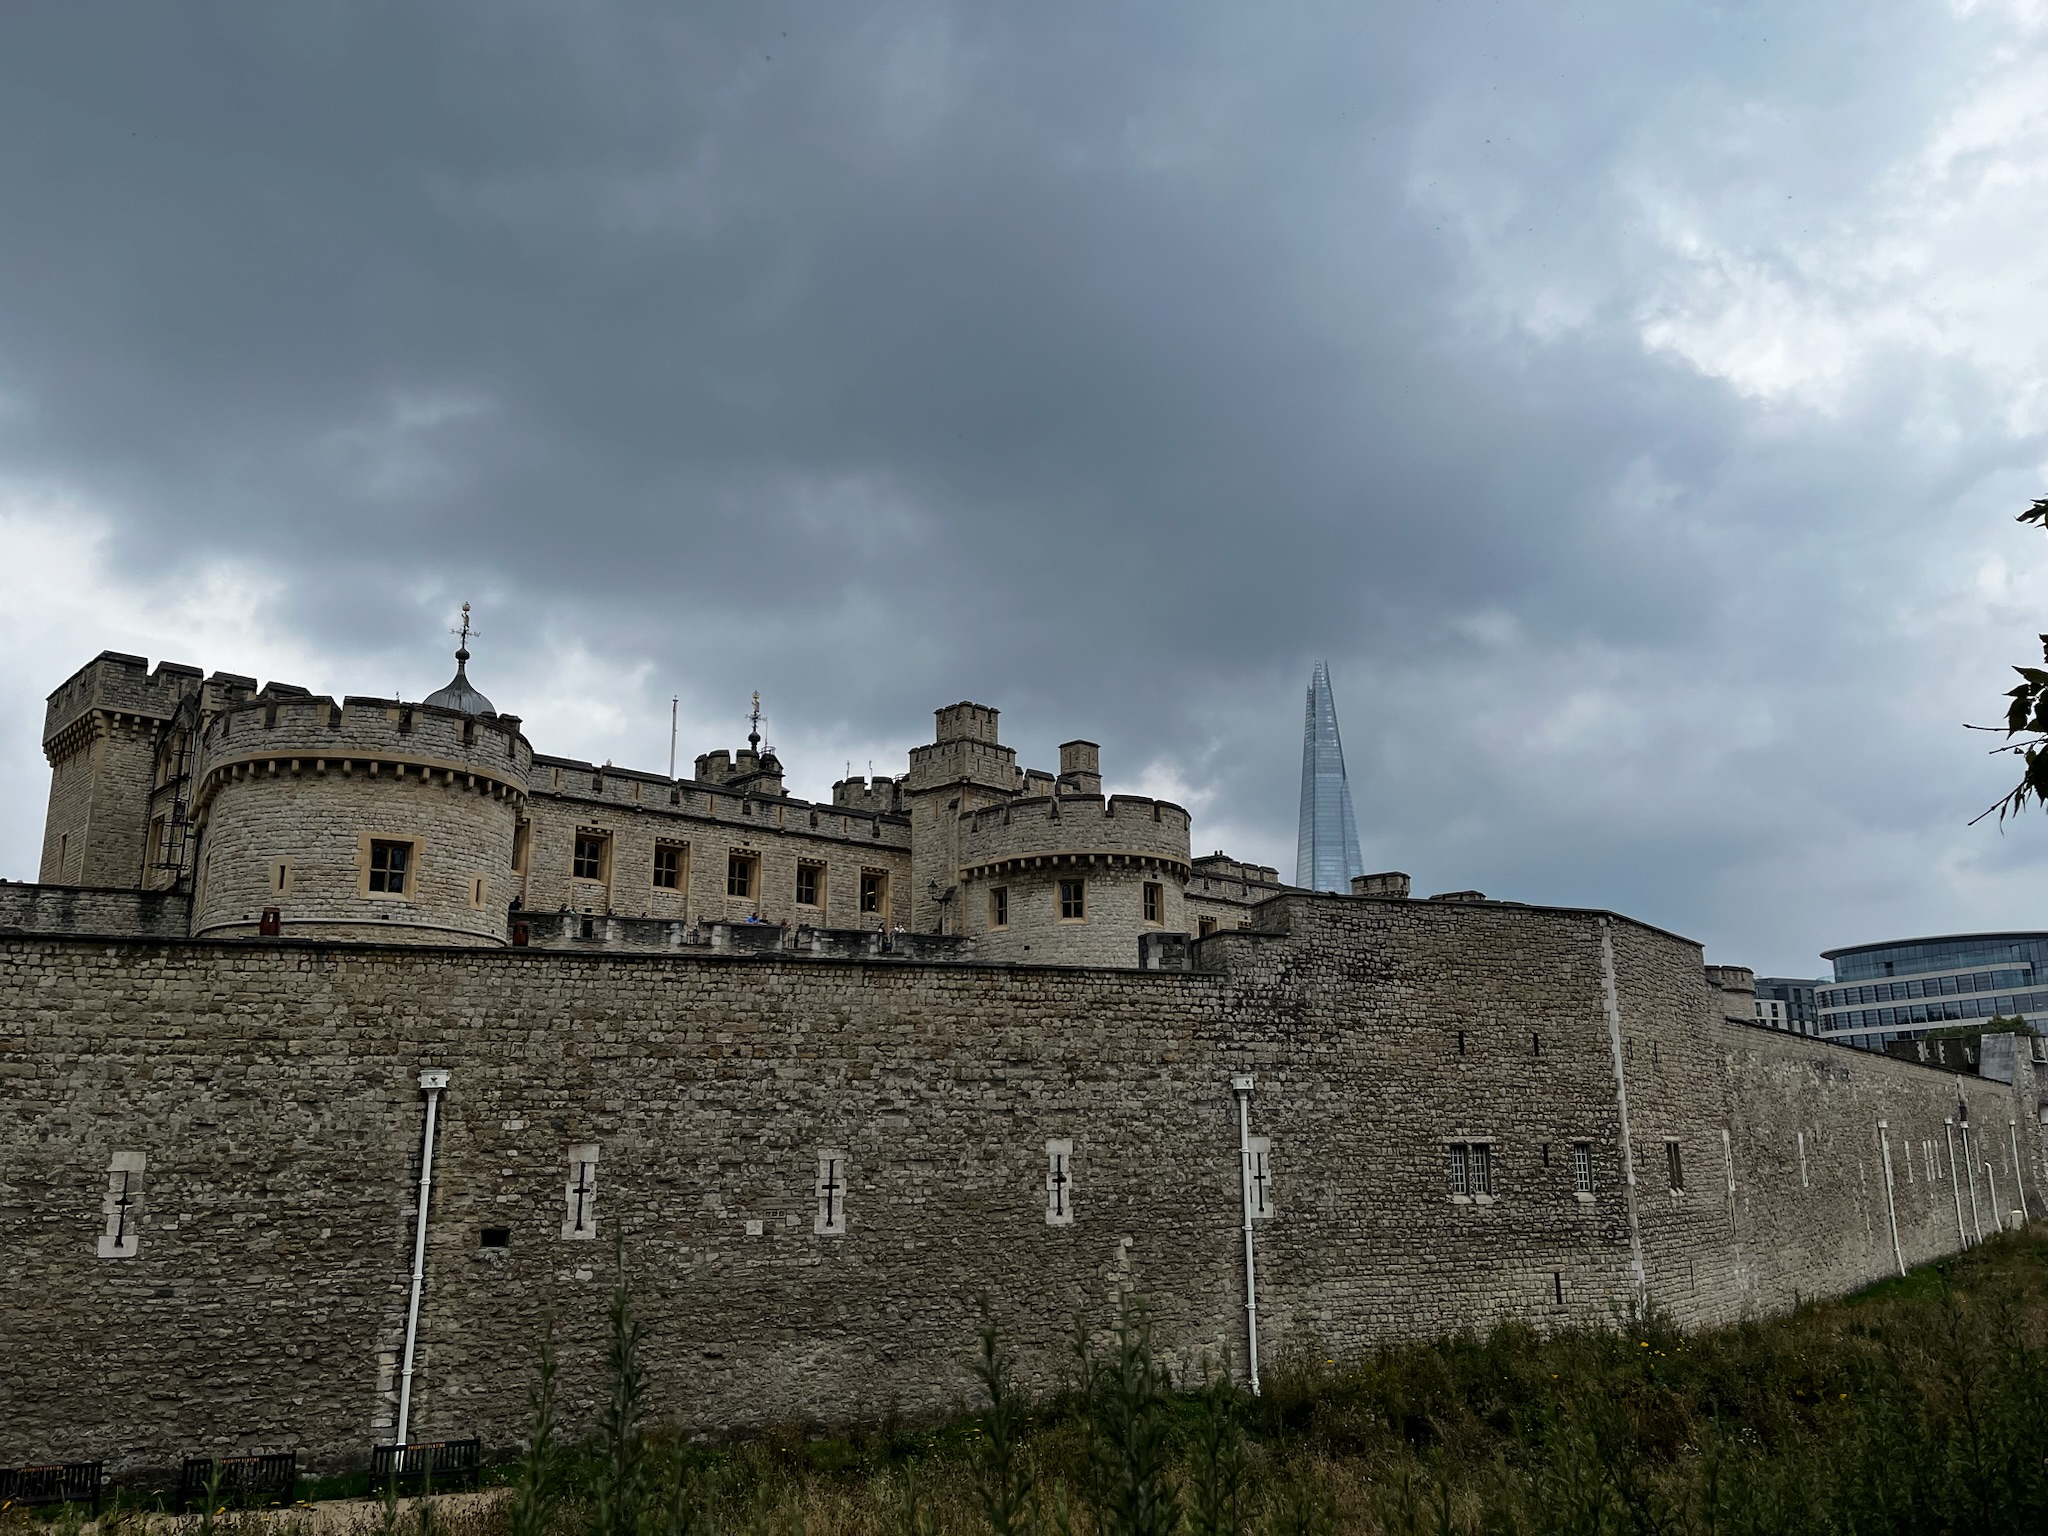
1326 854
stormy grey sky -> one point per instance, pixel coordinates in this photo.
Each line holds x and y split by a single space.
1631 402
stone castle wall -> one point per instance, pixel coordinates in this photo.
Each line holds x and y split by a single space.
293 792
270 1093
639 813
72 909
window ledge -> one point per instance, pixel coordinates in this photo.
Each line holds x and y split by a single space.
1484 1199
1461 1199
1582 1197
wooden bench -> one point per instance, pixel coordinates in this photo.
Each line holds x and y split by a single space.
244 1480
70 1482
430 1463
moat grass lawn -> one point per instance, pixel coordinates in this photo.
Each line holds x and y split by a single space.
1920 1405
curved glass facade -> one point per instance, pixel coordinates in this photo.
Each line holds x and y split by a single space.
1885 992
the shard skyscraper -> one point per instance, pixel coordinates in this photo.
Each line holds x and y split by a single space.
1326 854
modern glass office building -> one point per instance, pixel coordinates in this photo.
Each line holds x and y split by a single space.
1797 1010
1326 849
1903 990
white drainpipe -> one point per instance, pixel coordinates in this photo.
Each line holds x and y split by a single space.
1970 1174
1242 1086
434 1083
1948 1130
1891 1210
2012 1129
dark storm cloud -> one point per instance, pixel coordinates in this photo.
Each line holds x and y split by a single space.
1105 365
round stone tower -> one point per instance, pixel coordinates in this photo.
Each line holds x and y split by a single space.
1073 879
369 821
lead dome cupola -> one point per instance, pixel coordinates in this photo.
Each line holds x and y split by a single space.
461 693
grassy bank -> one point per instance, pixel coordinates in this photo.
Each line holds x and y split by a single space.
1919 1406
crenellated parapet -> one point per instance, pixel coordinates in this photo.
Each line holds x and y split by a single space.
1113 831
880 796
295 733
364 819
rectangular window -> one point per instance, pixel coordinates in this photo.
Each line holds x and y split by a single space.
1073 901
1582 1168
1204 926
1674 1165
874 890
1154 901
999 907
1471 1168
739 875
522 840
390 863
590 851
810 885
668 866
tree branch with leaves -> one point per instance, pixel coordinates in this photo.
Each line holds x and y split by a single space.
2025 717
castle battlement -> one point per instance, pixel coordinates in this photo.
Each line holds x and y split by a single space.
302 733
114 684
881 796
1116 829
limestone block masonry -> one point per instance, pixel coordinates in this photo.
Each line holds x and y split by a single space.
1073 878
816 1164
303 805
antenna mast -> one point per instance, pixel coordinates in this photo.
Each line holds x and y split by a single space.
673 699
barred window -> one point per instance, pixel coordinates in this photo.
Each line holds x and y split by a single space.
1471 1168
1582 1167
389 865
1675 1166
999 907
1153 900
1073 901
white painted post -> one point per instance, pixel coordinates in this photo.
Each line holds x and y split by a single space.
435 1083
1991 1187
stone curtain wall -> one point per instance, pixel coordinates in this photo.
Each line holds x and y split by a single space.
26 908
270 1092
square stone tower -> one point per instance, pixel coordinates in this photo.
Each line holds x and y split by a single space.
963 769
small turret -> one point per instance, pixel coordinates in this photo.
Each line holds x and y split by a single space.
460 694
